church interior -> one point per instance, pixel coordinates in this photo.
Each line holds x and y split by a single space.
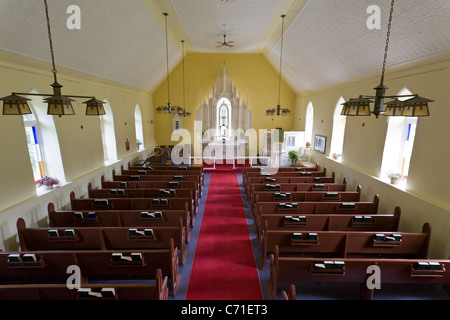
219 90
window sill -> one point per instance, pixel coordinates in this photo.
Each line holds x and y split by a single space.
40 191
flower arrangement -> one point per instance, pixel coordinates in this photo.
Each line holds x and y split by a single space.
49 182
395 177
336 156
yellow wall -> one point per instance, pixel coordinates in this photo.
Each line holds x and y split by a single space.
427 198
79 136
249 72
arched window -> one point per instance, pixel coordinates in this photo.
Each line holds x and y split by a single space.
309 123
138 126
35 150
399 143
337 137
108 134
224 118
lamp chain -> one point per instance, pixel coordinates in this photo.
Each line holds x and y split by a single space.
281 59
167 62
387 41
50 40
184 90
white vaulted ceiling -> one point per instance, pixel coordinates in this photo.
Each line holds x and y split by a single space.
326 41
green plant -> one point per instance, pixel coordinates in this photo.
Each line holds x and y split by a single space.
293 157
139 143
336 156
308 144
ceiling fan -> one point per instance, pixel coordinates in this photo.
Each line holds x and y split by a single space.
225 43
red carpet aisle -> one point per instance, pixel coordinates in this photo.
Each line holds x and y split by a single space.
224 267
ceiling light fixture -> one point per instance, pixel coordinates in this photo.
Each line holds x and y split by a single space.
415 106
278 110
58 104
168 109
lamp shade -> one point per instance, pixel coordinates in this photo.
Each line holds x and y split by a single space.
59 105
94 107
394 108
358 107
416 107
15 105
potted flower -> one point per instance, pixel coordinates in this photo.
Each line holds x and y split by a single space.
308 144
293 157
395 177
336 156
139 143
49 182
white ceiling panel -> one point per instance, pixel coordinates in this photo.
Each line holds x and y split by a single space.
326 41
244 22
329 41
119 40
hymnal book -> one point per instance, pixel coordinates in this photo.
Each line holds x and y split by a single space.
92 215
319 186
331 195
83 292
142 172
135 178
312 236
434 265
155 201
421 265
163 191
178 178
120 191
15 257
69 232
136 256
116 256
148 232
53 233
29 257
296 236
306 173
164 201
173 184
358 219
397 237
108 292
101 202
182 168
379 237
347 205
113 191
334 264
270 180
367 219
123 184
78 215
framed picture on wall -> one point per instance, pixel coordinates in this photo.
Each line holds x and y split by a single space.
320 143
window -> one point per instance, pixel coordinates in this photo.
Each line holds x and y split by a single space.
34 146
108 134
138 126
309 122
337 138
399 143
224 118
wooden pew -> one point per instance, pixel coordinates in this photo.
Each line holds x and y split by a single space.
152 185
298 187
167 178
178 173
320 207
304 196
107 291
119 218
50 267
354 270
287 180
330 222
337 244
91 204
101 238
144 193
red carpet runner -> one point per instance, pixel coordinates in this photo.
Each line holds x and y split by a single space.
224 267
